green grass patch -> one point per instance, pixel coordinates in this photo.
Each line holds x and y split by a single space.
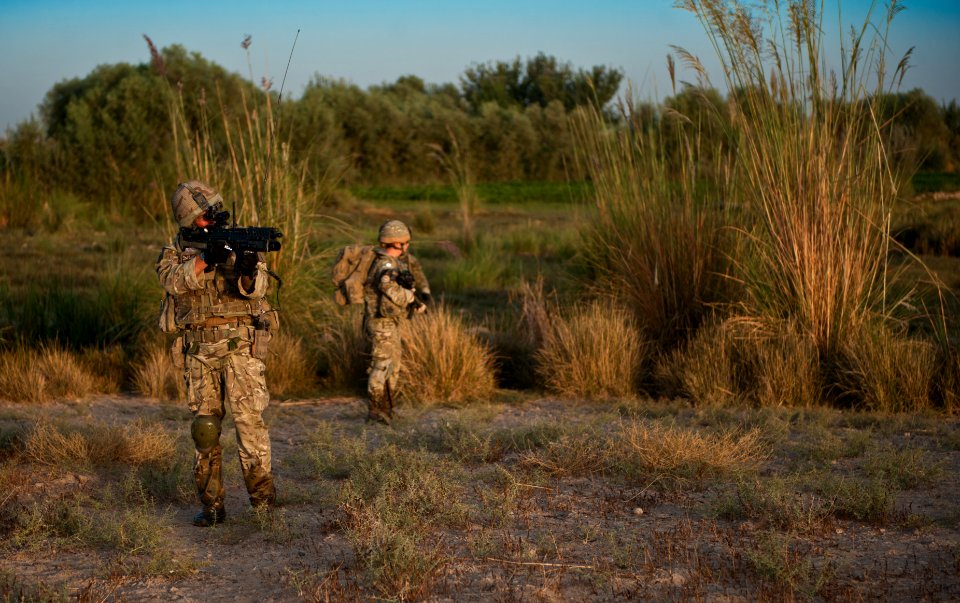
489 192
933 182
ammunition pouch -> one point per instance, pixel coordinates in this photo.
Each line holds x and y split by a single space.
261 344
269 321
168 314
178 353
214 335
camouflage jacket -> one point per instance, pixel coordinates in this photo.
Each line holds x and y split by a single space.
382 296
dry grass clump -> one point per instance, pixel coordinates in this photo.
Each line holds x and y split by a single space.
571 455
787 370
108 366
642 452
19 379
595 353
888 372
736 362
655 450
64 373
949 380
45 373
709 370
291 370
444 362
138 443
515 337
155 376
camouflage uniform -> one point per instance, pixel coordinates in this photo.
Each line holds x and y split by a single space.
224 320
385 306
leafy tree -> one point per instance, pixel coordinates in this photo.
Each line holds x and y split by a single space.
112 131
538 81
498 83
951 120
106 127
915 130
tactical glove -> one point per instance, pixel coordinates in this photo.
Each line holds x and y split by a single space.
216 252
425 298
247 263
415 307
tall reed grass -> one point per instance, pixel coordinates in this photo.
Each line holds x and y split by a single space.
656 243
811 165
790 231
455 163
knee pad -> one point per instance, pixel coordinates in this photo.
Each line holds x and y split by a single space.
205 430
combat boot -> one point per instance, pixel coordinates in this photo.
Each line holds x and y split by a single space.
378 409
378 415
210 516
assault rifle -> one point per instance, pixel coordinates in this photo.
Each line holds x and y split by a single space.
219 240
406 280
220 236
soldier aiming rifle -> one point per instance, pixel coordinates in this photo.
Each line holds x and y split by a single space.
216 280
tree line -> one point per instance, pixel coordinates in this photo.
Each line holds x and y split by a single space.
108 136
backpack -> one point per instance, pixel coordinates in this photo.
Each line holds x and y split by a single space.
350 273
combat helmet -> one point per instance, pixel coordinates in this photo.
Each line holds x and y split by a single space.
394 231
191 199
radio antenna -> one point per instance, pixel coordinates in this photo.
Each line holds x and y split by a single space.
266 171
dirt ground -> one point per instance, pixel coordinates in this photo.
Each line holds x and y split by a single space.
590 537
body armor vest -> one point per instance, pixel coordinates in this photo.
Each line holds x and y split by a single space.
374 306
220 297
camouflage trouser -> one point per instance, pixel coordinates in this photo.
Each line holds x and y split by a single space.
224 373
384 371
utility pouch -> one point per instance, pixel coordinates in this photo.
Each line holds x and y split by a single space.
269 321
261 344
168 316
177 353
